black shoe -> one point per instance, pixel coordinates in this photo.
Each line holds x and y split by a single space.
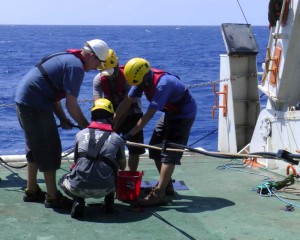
59 202
37 196
78 208
108 206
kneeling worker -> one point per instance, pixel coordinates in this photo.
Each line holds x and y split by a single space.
99 153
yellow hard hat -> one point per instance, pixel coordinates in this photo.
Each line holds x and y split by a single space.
110 62
135 70
103 103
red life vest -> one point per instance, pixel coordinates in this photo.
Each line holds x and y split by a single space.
119 87
77 53
149 90
101 126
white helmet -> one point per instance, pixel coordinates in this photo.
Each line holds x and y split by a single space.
99 47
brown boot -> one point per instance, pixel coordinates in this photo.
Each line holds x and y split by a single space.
169 189
154 198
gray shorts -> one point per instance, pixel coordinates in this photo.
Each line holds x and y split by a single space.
176 131
43 144
73 192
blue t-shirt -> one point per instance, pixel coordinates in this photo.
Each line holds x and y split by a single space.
168 90
66 73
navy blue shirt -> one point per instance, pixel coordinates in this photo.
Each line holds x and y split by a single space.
66 73
168 90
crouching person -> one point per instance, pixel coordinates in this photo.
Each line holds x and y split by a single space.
99 153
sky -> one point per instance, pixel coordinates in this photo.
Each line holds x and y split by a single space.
133 12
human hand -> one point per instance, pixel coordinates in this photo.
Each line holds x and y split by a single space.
126 137
66 124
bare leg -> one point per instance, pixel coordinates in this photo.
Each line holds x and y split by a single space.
32 176
166 172
133 162
158 165
50 179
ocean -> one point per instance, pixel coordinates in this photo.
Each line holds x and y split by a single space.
191 52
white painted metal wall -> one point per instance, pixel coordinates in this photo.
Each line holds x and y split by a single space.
236 129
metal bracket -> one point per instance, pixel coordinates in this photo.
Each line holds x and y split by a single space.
224 106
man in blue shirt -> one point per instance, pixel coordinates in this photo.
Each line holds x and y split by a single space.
166 93
38 95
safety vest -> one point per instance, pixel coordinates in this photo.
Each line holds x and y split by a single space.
59 94
150 88
119 89
101 126
95 156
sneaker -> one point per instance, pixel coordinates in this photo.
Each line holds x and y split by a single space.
37 196
170 189
59 202
153 199
108 206
78 208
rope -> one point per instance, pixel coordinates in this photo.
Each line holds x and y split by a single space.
238 166
270 192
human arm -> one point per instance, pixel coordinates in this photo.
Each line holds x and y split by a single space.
122 111
65 122
97 90
142 122
75 111
122 164
120 156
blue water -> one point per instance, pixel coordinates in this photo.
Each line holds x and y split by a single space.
189 52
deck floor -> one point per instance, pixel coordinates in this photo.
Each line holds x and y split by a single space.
219 204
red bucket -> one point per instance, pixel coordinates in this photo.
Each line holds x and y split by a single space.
129 185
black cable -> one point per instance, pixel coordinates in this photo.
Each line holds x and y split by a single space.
11 166
242 11
203 152
204 137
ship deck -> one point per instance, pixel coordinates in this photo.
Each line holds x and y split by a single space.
218 203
